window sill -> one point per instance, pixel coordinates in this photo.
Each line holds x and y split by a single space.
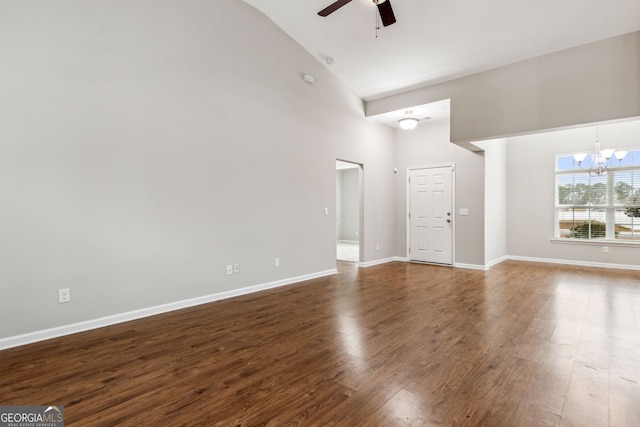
602 242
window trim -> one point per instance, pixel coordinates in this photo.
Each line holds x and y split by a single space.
608 206
594 242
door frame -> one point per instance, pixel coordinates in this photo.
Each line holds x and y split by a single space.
453 208
360 167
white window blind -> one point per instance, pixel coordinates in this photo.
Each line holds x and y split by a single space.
605 207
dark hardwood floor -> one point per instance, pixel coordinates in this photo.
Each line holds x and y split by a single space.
524 344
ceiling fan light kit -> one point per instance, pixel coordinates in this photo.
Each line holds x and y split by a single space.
408 122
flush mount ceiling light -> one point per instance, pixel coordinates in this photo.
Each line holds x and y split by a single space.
408 122
599 160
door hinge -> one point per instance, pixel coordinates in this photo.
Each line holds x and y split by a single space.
409 250
409 214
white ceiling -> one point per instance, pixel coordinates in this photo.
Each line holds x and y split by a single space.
439 40
425 112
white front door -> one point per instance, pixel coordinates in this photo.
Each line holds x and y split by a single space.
431 215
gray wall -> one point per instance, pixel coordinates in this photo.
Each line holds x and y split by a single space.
531 193
595 82
146 145
591 83
428 144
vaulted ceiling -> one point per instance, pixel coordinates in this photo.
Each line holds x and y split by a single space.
439 40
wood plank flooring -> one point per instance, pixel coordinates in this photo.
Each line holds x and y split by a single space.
523 344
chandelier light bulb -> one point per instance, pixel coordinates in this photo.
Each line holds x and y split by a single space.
600 159
408 122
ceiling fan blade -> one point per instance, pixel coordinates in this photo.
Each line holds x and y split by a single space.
386 13
333 7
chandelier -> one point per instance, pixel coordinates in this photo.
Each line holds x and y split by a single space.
599 160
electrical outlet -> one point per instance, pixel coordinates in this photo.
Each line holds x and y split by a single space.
229 269
64 295
277 263
236 268
605 249
378 247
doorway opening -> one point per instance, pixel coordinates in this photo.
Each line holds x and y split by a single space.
349 204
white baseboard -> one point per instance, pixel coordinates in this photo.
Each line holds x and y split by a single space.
376 262
471 266
511 257
496 261
534 259
550 261
577 263
73 328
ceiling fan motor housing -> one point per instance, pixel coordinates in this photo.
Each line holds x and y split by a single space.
384 9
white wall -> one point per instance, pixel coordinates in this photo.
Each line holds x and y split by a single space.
495 200
349 202
531 193
338 205
428 144
146 145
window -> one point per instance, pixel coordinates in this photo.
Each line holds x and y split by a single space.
605 207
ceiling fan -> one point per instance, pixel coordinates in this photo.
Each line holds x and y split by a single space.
384 8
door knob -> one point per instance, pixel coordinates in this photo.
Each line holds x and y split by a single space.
448 220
